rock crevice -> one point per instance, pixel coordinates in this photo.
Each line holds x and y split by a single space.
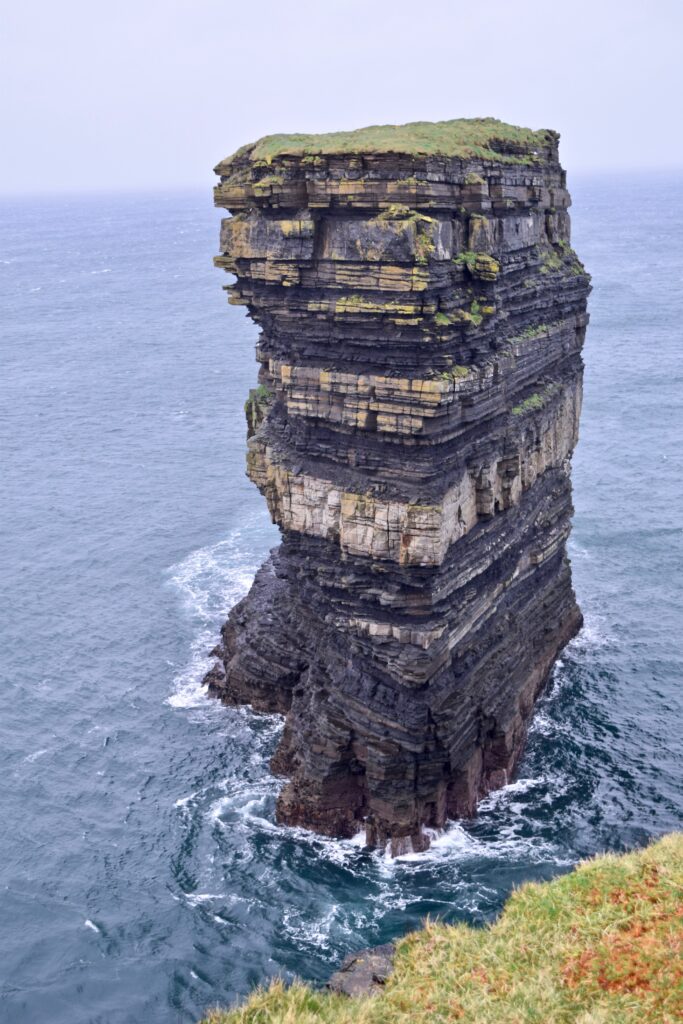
422 316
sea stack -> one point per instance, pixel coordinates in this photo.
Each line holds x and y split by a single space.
422 316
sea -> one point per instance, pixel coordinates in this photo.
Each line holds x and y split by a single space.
143 878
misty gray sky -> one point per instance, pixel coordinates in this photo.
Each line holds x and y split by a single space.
152 93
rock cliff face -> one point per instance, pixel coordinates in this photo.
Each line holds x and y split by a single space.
422 316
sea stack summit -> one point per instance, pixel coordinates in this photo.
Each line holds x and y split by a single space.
422 316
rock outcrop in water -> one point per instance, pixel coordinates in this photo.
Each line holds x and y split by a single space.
422 316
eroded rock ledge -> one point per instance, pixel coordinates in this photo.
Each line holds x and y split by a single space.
422 316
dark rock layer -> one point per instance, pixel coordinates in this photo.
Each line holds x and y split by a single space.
422 319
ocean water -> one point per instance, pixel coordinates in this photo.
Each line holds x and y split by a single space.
142 877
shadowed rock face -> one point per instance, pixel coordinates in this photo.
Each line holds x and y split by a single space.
422 318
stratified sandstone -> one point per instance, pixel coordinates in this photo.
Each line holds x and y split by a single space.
422 316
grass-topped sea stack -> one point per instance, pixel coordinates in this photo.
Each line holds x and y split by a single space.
422 316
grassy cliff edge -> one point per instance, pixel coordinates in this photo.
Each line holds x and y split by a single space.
601 945
485 138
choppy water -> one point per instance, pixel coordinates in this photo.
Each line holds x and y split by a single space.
142 878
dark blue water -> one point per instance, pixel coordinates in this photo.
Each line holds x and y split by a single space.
141 876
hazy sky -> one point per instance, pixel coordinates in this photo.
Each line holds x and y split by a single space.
152 93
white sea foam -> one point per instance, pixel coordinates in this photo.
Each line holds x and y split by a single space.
195 899
315 932
456 843
210 581
250 805
543 724
35 755
218 809
183 801
337 851
453 843
594 635
503 795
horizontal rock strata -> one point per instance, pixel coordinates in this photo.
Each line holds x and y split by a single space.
422 316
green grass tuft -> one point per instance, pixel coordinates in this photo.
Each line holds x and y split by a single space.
479 264
255 406
484 138
537 331
535 401
455 373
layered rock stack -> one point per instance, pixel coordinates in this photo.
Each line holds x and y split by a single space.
422 316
